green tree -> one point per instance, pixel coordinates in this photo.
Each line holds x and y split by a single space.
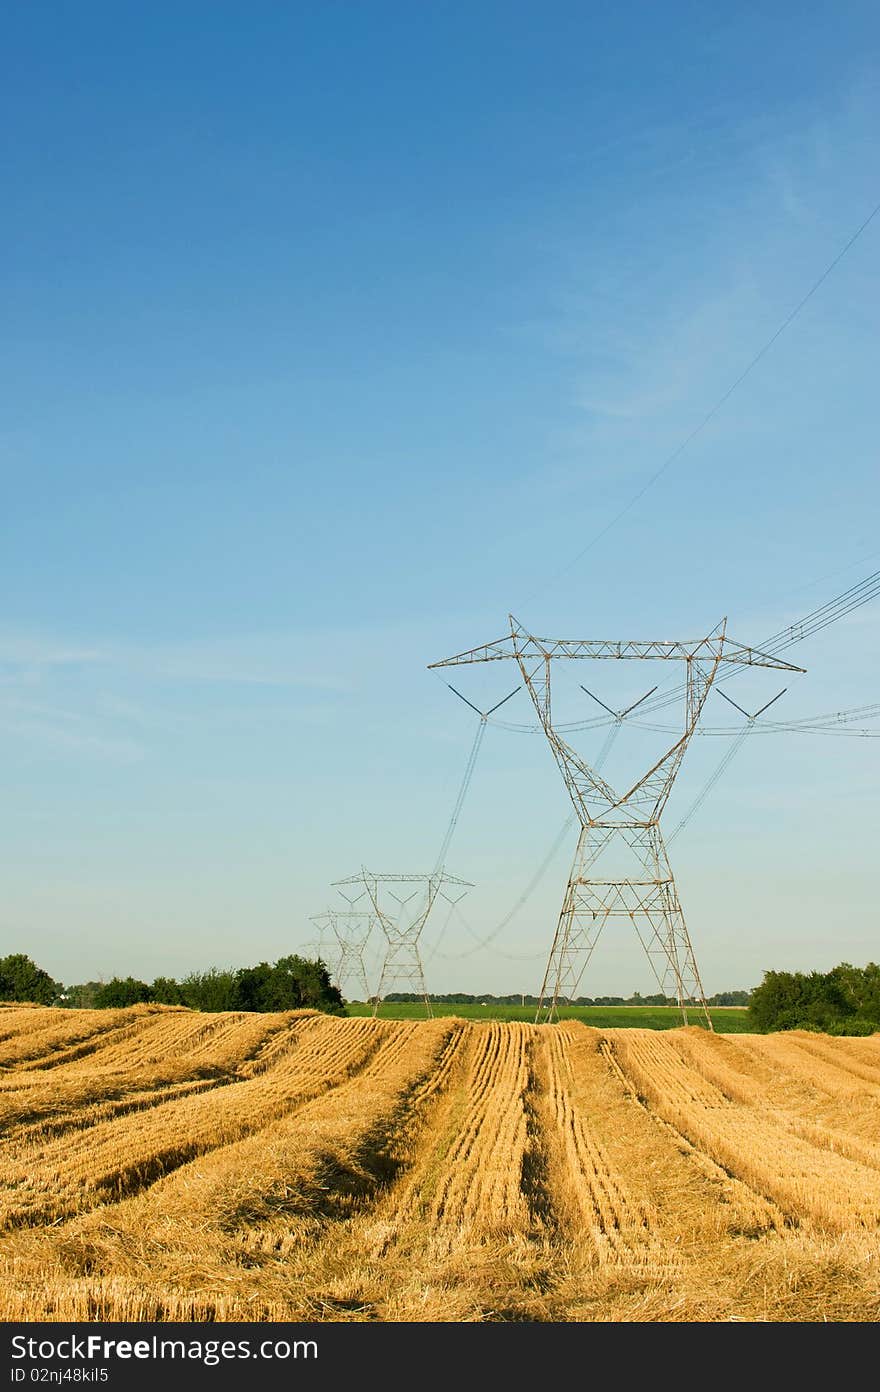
799 1000
292 983
166 990
861 988
80 997
251 989
121 991
22 980
209 990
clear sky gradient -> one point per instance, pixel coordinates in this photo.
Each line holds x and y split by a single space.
332 334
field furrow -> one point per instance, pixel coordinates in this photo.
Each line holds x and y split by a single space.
121 1155
212 1042
842 1068
810 1184
738 1207
787 1098
595 1198
76 1034
62 1123
159 1164
261 1204
481 1187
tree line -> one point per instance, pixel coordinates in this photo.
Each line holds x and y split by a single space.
845 1000
291 983
523 998
288 984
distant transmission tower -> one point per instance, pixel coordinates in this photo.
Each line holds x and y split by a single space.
351 931
319 947
619 828
403 925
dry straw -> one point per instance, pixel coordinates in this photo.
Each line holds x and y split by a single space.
159 1164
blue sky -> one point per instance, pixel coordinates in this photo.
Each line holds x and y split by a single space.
334 333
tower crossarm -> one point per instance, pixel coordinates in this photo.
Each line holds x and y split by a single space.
331 916
351 928
753 657
591 795
392 924
519 644
364 875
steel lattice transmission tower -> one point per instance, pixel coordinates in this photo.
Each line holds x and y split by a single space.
351 930
613 823
403 925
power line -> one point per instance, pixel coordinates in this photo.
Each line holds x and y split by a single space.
812 623
710 415
537 877
459 801
728 758
829 723
820 618
465 784
838 608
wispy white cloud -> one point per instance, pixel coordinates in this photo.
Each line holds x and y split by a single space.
30 650
119 700
324 659
63 738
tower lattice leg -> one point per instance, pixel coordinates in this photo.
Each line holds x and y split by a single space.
647 896
403 964
351 968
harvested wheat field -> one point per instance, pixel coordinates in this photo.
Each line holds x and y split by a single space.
159 1164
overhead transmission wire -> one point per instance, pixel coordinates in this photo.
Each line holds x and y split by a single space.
462 793
729 755
468 772
827 614
539 874
523 898
832 611
820 618
828 724
710 415
814 622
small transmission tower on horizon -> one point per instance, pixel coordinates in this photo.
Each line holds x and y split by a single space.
619 827
403 926
351 929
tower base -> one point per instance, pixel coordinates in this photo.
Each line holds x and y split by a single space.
621 870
